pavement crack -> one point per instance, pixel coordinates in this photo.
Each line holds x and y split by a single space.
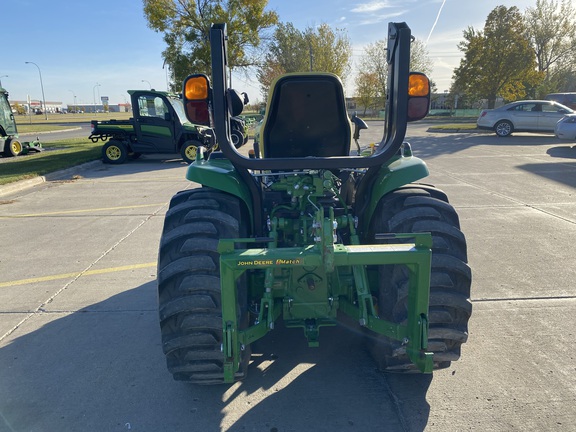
397 405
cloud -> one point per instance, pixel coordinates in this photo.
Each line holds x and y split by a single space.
370 11
373 6
375 19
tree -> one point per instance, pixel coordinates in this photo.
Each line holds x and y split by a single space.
367 90
420 58
186 28
565 77
330 50
551 29
320 49
373 62
498 61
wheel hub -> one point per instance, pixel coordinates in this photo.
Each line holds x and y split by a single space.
16 147
191 152
113 153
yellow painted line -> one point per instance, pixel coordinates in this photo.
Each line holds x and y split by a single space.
79 211
73 275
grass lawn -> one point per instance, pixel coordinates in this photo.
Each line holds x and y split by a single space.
37 123
22 120
452 126
56 156
36 128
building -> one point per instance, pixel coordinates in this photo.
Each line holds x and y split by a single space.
34 106
91 108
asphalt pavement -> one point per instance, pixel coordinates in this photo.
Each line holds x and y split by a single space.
68 130
80 340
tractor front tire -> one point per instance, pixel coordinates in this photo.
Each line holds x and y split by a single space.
417 209
189 294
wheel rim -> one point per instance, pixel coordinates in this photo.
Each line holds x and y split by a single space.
113 153
190 152
503 129
16 147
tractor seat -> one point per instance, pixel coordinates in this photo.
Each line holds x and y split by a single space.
306 116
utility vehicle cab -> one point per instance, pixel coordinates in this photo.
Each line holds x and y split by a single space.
159 121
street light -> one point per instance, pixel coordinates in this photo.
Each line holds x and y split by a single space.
42 87
148 83
1 79
74 94
94 95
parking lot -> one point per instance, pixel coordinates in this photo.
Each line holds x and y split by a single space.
80 340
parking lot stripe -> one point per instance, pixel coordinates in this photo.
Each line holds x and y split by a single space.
78 211
78 274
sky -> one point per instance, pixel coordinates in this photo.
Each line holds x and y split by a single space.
85 50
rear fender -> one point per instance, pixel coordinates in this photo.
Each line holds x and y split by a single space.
397 173
220 174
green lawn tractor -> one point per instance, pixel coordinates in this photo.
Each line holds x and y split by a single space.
10 144
309 232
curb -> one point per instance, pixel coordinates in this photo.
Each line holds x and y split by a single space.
56 175
456 130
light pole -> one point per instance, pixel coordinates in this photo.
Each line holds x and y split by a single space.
74 94
1 79
42 87
166 67
94 95
148 83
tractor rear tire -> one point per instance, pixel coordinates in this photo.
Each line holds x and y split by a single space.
423 208
189 294
13 147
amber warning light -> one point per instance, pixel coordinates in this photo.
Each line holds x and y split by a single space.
418 96
196 95
418 85
196 88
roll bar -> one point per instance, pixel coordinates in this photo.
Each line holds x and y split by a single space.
398 58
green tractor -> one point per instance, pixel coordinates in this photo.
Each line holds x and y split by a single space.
10 145
309 232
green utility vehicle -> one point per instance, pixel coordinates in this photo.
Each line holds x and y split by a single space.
159 125
10 145
309 230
